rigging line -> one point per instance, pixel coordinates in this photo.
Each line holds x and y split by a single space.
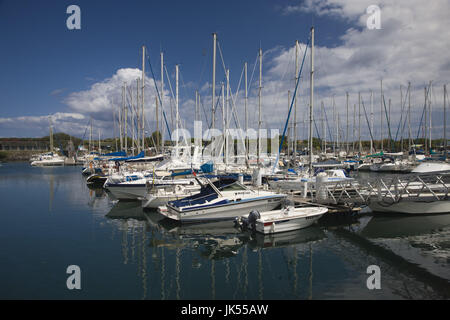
221 57
421 118
204 111
290 108
367 119
157 91
406 117
317 130
172 97
401 117
328 126
388 121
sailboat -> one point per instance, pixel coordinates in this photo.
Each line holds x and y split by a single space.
48 159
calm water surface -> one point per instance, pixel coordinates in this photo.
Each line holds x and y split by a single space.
51 219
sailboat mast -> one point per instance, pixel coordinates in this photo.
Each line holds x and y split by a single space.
126 117
409 116
445 123
223 119
381 115
226 117
346 133
138 142
295 99
429 110
425 122
259 105
142 97
214 81
359 122
246 112
162 101
311 103
371 121
176 104
157 125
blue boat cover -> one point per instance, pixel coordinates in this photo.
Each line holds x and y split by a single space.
140 155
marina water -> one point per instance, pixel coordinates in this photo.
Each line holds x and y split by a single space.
51 220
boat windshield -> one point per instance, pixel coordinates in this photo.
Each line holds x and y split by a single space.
232 187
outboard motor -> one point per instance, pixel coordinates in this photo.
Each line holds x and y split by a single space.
248 223
252 217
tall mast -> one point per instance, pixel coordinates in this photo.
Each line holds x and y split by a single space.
196 105
162 99
214 80
142 97
226 116
401 117
311 103
176 103
389 126
157 125
354 128
90 138
295 99
409 116
223 119
425 126
288 137
346 133
445 123
335 127
259 105
324 131
51 134
114 128
138 142
126 118
246 112
381 115
429 110
359 122
132 121
371 121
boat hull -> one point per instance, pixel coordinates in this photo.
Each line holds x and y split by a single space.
227 211
127 191
289 224
412 207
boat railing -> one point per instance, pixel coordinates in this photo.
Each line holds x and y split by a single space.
430 187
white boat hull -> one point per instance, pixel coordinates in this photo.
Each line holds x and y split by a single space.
299 218
127 192
227 211
412 207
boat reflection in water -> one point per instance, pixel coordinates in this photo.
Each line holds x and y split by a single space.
286 239
223 262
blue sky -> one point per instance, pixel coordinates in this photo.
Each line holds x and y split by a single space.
43 62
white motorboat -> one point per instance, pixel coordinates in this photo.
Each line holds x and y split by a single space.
332 175
220 201
426 167
48 160
286 219
135 186
160 196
